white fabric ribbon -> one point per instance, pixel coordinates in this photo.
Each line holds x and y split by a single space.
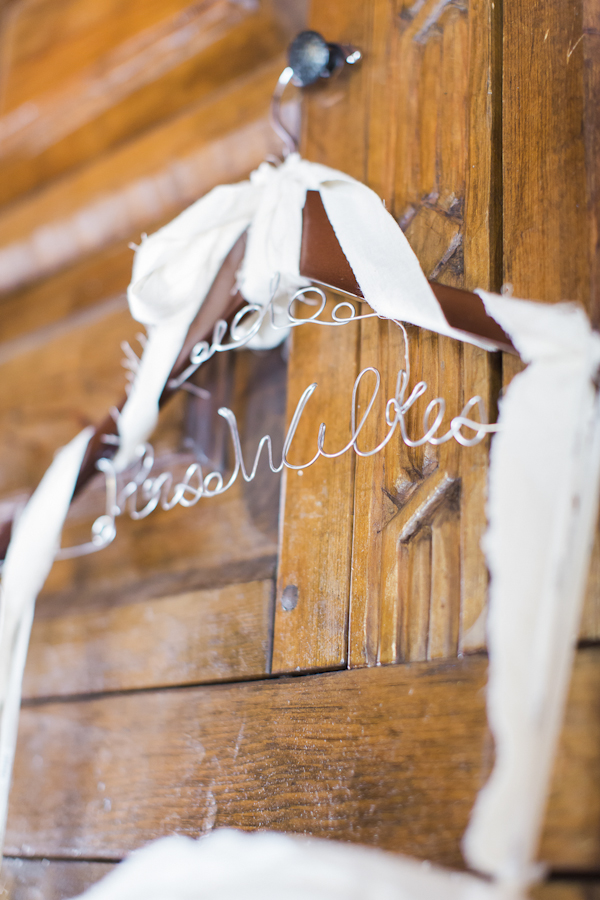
174 268
542 510
231 865
33 545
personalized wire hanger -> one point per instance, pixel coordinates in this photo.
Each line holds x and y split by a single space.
143 491
311 58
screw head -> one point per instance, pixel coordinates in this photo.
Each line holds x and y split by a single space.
289 598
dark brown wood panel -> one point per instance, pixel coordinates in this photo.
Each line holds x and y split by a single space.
223 634
391 757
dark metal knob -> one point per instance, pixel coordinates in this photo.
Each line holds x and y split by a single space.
311 57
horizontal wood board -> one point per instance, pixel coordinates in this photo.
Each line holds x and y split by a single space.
81 78
201 636
391 757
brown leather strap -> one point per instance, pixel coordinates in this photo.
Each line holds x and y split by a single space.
322 260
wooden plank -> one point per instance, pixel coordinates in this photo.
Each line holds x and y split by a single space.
25 312
140 184
220 540
567 890
314 555
224 539
202 636
388 756
347 756
81 79
551 171
430 156
546 246
316 540
29 879
53 388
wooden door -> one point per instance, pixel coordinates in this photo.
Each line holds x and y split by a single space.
169 688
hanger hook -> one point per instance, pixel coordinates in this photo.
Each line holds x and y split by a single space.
310 57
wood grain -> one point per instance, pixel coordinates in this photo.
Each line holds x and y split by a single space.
202 636
429 137
140 184
544 171
551 171
77 85
391 757
348 756
29 879
316 540
314 554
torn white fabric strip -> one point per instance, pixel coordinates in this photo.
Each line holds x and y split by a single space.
227 865
384 264
542 509
33 546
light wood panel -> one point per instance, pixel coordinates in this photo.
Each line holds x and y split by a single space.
142 183
202 636
317 506
418 590
315 548
391 757
81 77
551 171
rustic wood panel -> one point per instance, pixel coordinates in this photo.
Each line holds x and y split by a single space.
26 879
221 540
142 183
546 247
83 77
567 890
347 756
29 879
419 590
315 548
391 757
311 631
51 389
551 132
201 636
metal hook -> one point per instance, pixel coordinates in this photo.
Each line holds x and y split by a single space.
310 58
